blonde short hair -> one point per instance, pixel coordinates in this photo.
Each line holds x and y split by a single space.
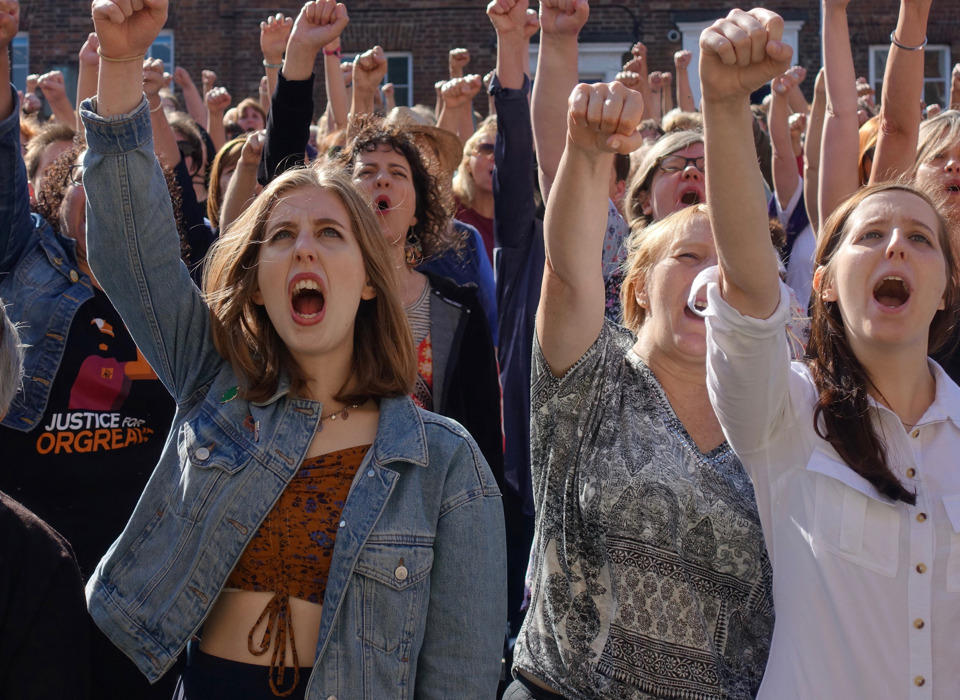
646 246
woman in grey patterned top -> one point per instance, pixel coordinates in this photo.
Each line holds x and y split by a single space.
652 579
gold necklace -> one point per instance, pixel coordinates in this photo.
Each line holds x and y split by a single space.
342 413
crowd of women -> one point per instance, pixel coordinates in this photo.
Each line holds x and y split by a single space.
592 398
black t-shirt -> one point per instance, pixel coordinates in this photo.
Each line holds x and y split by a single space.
83 468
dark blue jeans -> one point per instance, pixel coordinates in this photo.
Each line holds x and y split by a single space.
207 677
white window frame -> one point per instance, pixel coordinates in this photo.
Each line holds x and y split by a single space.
408 85
20 59
876 80
691 31
165 37
597 62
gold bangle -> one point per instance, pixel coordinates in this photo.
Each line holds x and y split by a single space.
125 59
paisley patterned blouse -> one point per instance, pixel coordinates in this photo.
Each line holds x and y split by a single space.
651 577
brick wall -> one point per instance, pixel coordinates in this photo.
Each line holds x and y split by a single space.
223 35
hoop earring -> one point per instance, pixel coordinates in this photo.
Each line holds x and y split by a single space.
413 250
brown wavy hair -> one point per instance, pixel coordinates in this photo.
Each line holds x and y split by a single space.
842 413
384 359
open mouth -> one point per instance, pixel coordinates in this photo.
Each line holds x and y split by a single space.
953 188
307 299
691 197
892 292
382 202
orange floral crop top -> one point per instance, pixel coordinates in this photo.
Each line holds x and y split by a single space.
291 552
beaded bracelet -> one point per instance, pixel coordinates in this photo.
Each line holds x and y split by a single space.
278 66
335 52
893 40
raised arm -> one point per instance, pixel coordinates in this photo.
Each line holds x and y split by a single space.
338 97
192 99
87 70
681 61
457 94
274 33
55 90
217 100
811 151
602 120
635 76
738 55
288 123
133 244
560 25
840 141
368 71
786 179
15 221
164 141
896 151
666 92
514 209
243 185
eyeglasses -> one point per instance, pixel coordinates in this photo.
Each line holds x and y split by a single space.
76 174
673 163
483 150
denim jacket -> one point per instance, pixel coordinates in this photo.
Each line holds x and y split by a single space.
415 601
39 278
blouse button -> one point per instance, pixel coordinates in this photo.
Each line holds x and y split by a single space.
74 276
370 473
919 680
343 523
202 454
921 517
921 568
915 433
911 472
401 573
918 623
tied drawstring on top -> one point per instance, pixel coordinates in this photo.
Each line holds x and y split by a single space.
279 620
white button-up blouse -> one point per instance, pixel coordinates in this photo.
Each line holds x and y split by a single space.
866 590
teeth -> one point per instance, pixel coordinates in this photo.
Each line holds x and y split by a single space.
305 284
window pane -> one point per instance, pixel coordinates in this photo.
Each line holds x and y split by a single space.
162 48
20 67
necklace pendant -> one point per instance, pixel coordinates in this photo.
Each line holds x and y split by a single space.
319 427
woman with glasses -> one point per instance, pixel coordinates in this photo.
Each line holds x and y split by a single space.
670 177
473 183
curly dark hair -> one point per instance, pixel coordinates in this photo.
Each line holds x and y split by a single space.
435 206
57 179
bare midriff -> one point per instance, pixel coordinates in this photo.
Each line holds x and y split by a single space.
226 629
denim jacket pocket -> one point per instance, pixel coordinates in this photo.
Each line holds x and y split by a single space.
394 584
852 519
208 458
952 505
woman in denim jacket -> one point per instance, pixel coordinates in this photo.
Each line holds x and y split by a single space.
298 352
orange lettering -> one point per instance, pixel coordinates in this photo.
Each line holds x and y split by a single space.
64 442
101 440
45 443
81 442
117 439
